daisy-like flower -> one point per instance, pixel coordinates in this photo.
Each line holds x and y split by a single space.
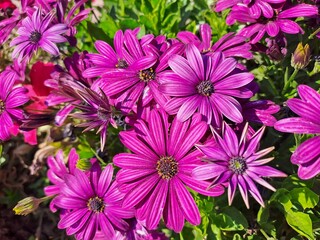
205 84
56 172
230 45
97 113
94 204
11 98
272 24
260 111
256 7
107 58
37 32
140 80
137 231
66 82
307 108
236 161
155 175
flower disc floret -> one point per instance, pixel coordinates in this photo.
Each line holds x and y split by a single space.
167 167
96 204
237 165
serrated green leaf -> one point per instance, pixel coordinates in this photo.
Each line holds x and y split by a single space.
305 197
300 222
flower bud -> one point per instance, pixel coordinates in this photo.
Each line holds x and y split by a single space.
27 205
301 56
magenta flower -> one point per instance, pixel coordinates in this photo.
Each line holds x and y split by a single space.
140 80
236 161
230 45
260 111
155 175
97 113
93 203
307 154
66 83
37 32
11 98
137 231
256 7
107 58
56 172
205 84
278 20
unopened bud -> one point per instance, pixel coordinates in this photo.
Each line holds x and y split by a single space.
84 164
301 56
27 205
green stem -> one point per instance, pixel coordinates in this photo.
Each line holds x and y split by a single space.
265 234
314 33
287 83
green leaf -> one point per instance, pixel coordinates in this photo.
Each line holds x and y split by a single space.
231 219
293 181
300 222
2 160
263 215
96 32
305 197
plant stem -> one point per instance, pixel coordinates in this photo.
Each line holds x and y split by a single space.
314 33
287 83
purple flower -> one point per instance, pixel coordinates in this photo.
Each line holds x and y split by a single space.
307 154
36 32
236 161
155 175
66 84
56 172
230 45
256 7
107 58
260 111
11 98
140 80
93 202
137 231
205 84
97 113
279 20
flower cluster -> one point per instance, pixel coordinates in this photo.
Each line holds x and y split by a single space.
185 111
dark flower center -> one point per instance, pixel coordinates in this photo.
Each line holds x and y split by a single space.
167 167
103 114
147 75
35 37
205 88
95 204
238 165
2 107
122 64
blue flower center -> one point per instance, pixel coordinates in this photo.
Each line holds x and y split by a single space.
35 37
122 64
167 167
205 88
147 75
95 205
238 165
